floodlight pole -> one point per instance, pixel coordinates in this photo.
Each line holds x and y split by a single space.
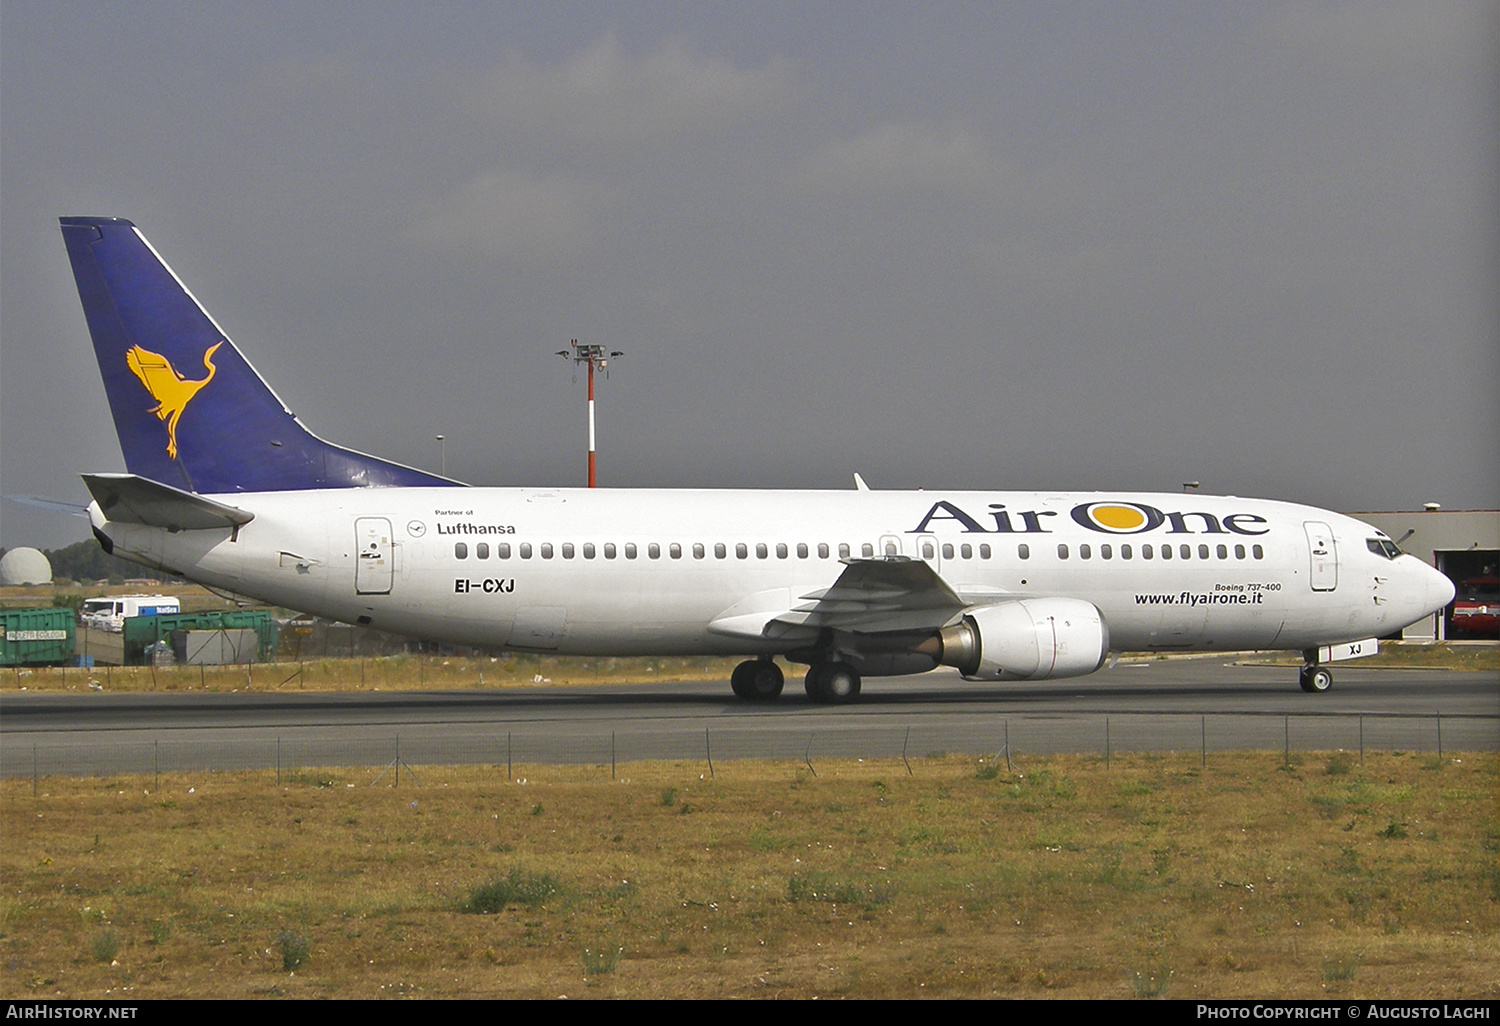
592 356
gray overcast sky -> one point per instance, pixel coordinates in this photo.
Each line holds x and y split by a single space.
986 245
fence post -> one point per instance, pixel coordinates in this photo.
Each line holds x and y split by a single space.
1440 738
1106 742
156 764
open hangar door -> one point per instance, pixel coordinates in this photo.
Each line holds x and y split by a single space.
1474 613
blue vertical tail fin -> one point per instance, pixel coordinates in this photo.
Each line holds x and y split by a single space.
189 409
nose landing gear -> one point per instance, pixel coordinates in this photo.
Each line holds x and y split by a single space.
1315 679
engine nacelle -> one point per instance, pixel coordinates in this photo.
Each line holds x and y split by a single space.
1028 639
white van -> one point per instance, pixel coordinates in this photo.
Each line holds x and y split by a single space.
108 614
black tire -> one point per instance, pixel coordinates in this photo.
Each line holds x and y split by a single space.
766 682
832 683
757 680
742 680
1315 680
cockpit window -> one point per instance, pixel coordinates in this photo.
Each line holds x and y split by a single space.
1383 547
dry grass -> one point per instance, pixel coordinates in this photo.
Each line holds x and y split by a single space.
447 673
376 673
1153 876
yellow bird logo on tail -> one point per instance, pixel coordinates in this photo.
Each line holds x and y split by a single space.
171 392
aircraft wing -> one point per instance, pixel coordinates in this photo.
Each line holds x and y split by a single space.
871 596
126 498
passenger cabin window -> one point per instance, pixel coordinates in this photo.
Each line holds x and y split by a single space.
822 550
1062 551
868 551
781 550
588 550
1257 552
697 550
1185 551
741 551
460 550
984 551
1085 551
1222 552
609 550
947 550
653 550
966 551
1125 551
890 548
1166 552
526 550
482 550
927 551
719 551
503 550
546 550
1105 552
1147 552
630 550
802 550
1023 550
844 550
1239 552
674 550
567 550
761 552
1202 551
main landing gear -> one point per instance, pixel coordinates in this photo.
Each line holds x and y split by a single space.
757 680
832 683
1314 678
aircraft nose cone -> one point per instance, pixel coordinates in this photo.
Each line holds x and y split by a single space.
1440 590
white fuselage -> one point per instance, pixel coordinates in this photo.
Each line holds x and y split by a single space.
623 572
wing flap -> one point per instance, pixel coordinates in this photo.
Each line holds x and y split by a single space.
871 596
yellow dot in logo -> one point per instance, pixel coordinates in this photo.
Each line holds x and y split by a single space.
1117 518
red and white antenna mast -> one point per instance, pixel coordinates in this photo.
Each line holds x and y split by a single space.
593 356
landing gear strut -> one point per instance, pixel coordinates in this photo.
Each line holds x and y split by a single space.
832 683
1315 678
757 680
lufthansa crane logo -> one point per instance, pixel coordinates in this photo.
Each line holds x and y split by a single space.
171 391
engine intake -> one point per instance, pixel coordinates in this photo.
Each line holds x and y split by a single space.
1028 639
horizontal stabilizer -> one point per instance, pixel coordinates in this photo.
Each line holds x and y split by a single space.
126 498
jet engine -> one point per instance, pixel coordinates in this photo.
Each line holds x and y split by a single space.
1028 639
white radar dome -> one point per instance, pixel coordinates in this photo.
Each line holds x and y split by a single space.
25 566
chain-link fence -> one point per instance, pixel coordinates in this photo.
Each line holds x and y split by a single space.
526 749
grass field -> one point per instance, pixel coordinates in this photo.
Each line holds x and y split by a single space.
434 673
1152 876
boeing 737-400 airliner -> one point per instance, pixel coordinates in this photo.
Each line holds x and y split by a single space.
227 488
